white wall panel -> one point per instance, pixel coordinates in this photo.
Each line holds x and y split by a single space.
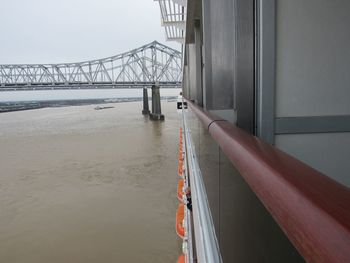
313 57
326 152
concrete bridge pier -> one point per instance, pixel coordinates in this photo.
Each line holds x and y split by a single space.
145 102
156 108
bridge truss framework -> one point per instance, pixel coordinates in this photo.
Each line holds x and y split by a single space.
145 66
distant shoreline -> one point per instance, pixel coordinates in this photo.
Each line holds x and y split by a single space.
31 105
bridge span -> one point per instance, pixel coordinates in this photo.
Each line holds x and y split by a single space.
150 64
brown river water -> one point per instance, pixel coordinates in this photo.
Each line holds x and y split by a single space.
85 185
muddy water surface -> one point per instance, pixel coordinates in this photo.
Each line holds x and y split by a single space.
80 185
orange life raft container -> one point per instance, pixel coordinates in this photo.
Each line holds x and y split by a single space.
180 213
181 259
180 185
180 169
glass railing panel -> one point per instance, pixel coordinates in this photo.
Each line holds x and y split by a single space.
209 165
248 233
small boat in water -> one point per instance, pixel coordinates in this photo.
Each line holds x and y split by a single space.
102 108
98 108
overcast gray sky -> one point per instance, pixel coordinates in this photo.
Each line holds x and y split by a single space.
54 31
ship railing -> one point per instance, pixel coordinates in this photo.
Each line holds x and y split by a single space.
312 209
205 241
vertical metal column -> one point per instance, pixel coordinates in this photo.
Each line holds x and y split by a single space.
198 62
156 109
244 63
207 58
145 102
266 70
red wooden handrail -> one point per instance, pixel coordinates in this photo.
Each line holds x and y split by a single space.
312 209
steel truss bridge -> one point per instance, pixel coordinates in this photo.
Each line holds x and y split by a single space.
145 66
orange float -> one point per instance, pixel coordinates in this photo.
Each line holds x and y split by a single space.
180 213
180 186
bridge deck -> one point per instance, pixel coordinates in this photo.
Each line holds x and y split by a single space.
77 86
144 66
